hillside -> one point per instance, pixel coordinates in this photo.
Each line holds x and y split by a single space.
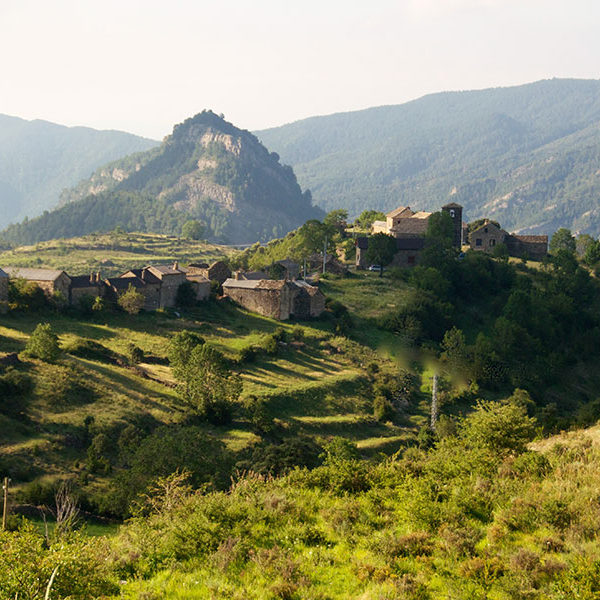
526 156
39 159
207 170
111 253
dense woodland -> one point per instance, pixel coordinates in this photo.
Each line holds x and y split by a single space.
255 459
526 156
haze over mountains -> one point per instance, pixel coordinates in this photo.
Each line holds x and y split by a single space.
528 156
208 169
38 159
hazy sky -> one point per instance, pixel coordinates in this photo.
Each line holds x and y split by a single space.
143 65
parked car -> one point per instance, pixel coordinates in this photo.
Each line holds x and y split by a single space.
375 268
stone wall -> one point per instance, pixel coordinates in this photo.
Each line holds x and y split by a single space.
269 303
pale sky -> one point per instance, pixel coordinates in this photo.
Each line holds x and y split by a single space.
144 65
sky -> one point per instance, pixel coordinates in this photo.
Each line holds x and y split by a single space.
143 65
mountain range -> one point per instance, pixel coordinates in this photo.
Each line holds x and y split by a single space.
39 159
207 169
527 156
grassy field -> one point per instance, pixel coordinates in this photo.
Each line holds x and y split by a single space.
112 253
312 387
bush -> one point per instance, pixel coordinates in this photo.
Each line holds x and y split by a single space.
43 343
383 409
135 354
131 301
186 295
14 386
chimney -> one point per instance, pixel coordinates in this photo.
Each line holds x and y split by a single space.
237 275
92 278
175 265
98 276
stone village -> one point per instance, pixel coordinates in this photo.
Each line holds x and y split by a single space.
276 298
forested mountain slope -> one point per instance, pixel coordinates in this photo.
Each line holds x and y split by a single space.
38 159
527 156
207 169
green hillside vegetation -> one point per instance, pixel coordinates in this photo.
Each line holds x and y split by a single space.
112 253
313 472
39 159
526 156
207 169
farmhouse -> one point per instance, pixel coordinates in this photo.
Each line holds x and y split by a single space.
86 286
50 280
278 299
489 235
409 229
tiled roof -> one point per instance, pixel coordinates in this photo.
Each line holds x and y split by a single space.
33 274
397 212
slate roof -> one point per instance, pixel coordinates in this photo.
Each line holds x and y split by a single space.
166 269
312 290
83 281
143 274
34 274
414 226
3 274
122 283
452 205
536 239
261 284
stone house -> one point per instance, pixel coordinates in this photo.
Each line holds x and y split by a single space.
217 271
291 269
200 284
49 280
407 254
86 285
145 281
278 299
488 235
163 280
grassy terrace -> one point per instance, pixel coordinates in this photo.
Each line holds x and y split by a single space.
311 386
111 253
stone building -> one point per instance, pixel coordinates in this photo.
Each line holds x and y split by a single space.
270 298
86 286
488 235
163 281
217 271
278 299
403 222
50 280
117 286
455 212
200 284
407 254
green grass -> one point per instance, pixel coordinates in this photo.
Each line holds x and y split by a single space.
112 254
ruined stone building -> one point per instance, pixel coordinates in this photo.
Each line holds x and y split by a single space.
217 271
278 299
49 280
488 235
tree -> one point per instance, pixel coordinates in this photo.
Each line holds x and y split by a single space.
592 253
381 250
193 230
562 240
180 350
186 295
336 219
131 301
439 250
43 343
209 387
367 217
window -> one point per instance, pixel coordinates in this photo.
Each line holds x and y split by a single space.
452 213
486 230
478 241
492 242
411 260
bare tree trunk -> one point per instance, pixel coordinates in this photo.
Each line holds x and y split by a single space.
434 403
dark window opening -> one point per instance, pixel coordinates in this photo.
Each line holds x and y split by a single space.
478 242
492 242
411 260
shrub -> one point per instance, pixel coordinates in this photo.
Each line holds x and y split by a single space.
25 295
131 301
14 386
43 343
383 409
135 354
